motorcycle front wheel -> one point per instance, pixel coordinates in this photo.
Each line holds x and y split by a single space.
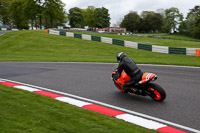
157 92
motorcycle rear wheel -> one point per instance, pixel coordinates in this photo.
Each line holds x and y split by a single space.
157 92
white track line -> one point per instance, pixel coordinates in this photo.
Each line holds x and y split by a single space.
107 64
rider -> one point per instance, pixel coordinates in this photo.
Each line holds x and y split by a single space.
131 69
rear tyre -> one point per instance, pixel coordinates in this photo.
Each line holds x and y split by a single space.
157 92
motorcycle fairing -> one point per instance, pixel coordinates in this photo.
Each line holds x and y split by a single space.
124 77
121 80
146 77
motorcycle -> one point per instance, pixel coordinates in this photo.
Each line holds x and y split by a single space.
145 87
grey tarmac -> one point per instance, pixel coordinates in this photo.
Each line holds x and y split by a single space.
92 80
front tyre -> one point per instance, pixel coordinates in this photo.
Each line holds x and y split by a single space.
157 92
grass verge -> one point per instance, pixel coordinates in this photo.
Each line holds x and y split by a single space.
23 111
39 46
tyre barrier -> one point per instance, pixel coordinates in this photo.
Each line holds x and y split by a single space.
4 29
130 44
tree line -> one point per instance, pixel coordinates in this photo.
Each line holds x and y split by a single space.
191 26
91 17
37 13
51 13
167 21
149 21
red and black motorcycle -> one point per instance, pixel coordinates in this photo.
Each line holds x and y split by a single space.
145 86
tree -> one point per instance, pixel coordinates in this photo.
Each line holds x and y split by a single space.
172 20
144 24
191 26
31 11
103 17
40 9
23 12
17 14
76 18
90 17
155 21
195 12
187 27
54 12
196 32
147 21
4 12
131 22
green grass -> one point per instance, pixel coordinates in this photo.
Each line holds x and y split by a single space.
23 111
154 41
181 37
39 46
149 34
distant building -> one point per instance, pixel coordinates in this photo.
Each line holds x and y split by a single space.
111 29
78 29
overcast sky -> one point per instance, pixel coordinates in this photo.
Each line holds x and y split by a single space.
119 8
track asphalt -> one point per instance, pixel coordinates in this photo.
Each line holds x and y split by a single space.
92 80
3 32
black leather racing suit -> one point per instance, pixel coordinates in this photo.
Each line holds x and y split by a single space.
131 69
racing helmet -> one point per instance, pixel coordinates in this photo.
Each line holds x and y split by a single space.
120 56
